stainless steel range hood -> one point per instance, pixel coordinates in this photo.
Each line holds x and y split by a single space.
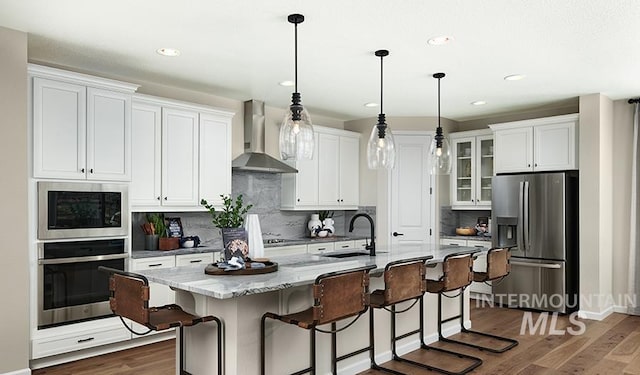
254 157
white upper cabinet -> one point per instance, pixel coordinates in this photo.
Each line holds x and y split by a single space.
179 157
181 154
331 179
81 126
472 169
215 158
545 144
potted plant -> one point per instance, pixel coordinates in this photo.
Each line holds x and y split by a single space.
230 219
153 229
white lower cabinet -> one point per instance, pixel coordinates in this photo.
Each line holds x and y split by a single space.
285 250
479 264
191 259
344 245
69 338
159 295
320 248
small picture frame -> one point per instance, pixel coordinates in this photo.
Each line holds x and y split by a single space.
174 227
235 243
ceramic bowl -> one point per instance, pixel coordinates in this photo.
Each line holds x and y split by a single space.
323 233
188 243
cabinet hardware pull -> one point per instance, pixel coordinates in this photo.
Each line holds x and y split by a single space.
82 170
196 261
528 165
453 244
322 248
345 246
165 198
396 234
91 170
158 198
298 199
481 246
155 265
85 340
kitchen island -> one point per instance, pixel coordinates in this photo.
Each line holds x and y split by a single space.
240 302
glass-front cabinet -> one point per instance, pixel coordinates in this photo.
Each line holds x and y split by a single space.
472 169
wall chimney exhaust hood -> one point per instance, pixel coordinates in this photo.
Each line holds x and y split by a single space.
254 157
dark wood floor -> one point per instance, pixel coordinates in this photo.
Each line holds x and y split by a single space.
611 346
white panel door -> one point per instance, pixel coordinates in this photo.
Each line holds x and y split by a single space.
514 150
215 158
554 147
146 138
349 171
59 125
328 169
179 157
410 191
108 135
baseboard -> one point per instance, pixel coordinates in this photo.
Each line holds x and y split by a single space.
621 309
24 371
592 315
405 348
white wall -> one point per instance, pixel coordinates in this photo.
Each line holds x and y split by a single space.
14 278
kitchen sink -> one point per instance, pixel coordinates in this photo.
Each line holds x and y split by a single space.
346 255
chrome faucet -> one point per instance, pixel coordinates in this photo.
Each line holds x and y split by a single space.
372 245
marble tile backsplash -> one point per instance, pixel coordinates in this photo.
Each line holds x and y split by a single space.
452 219
263 191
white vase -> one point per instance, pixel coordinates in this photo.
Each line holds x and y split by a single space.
314 224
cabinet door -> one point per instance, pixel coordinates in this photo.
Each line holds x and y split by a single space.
215 158
463 172
320 248
146 130
160 295
328 169
349 171
555 147
59 126
306 180
108 135
483 171
179 157
514 150
191 259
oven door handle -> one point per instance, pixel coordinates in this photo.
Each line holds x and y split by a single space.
96 258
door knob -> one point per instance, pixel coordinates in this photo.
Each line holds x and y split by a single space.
396 234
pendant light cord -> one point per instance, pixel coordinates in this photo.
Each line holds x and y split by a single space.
439 102
381 85
295 64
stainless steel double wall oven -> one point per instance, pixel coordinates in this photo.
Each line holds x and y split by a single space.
80 226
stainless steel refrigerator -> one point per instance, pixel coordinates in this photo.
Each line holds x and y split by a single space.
537 215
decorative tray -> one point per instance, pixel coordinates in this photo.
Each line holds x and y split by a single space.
213 269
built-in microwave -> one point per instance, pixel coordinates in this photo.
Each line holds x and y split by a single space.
82 210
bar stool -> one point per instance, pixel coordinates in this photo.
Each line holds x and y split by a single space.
337 295
498 266
130 299
404 280
457 271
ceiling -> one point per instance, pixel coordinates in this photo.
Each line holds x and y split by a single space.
242 49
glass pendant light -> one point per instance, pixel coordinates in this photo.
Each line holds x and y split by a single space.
296 132
381 149
440 151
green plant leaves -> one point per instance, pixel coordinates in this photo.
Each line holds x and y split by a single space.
232 213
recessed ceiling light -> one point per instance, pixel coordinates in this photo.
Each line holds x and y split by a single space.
371 104
479 102
514 77
286 83
171 52
440 40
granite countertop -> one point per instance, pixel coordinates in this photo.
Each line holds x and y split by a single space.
293 270
136 254
469 238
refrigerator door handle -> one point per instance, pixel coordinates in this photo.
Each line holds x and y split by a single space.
525 215
536 265
520 227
